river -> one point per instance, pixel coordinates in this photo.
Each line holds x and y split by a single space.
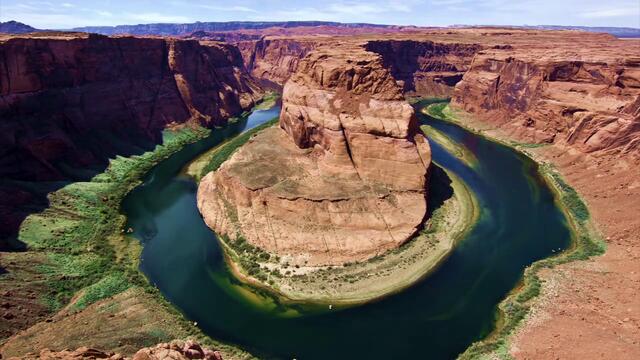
437 318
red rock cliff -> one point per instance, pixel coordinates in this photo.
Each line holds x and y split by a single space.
275 59
586 98
426 68
73 101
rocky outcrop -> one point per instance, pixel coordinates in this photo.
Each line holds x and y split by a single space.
426 68
175 350
343 177
275 60
70 102
587 104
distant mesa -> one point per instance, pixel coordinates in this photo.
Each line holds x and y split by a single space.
15 27
185 29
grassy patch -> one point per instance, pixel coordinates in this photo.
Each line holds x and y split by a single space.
268 101
82 230
436 110
108 286
569 197
225 151
249 257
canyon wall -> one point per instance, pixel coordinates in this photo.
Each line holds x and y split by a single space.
275 60
541 86
344 176
426 68
69 102
545 97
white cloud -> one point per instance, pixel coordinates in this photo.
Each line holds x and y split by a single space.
448 2
236 8
370 7
46 21
355 9
67 5
609 13
104 13
153 17
347 11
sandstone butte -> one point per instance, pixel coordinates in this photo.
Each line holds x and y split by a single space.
576 92
343 177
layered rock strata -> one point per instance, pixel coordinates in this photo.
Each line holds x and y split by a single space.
69 102
426 68
341 179
589 102
275 60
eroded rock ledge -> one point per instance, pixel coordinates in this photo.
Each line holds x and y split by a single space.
341 179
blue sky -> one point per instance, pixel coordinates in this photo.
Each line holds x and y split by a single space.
72 13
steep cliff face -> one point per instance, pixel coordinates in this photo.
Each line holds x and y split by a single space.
587 105
342 179
73 101
276 59
426 68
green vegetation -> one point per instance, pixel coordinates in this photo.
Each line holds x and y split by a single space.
523 145
82 231
437 110
108 286
225 151
569 196
249 257
268 101
88 252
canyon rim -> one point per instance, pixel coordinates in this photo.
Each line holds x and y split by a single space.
341 179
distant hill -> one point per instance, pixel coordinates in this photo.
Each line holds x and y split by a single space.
14 27
621 32
182 29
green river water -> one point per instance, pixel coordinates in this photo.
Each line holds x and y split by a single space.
437 318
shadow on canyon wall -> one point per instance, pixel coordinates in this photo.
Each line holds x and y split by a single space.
23 193
439 189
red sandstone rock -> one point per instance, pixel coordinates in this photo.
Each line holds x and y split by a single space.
343 182
426 68
561 94
175 350
275 59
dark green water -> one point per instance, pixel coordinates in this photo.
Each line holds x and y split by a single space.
437 318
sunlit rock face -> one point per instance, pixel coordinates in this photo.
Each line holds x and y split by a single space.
343 177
